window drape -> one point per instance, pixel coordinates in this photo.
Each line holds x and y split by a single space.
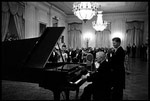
102 37
17 11
134 34
5 20
74 35
18 18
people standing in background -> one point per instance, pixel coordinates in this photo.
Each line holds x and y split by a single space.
73 55
117 70
128 50
69 55
145 51
133 50
80 56
54 56
142 51
64 53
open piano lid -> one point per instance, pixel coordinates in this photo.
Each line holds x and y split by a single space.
32 52
44 47
24 60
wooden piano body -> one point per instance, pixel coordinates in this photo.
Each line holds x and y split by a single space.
26 60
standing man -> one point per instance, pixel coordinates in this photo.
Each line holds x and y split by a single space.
128 50
117 70
64 52
133 50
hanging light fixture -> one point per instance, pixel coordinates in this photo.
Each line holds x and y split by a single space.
99 25
85 10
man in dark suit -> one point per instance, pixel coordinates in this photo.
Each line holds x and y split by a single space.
73 55
133 50
128 50
117 70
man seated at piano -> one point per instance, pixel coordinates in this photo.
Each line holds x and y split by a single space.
99 88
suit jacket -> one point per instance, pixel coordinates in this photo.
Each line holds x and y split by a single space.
73 54
117 67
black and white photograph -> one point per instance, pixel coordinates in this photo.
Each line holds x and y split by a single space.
77 50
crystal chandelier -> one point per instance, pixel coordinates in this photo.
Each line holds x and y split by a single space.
85 10
99 25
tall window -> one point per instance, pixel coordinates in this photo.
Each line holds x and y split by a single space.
134 34
12 33
13 24
102 37
74 35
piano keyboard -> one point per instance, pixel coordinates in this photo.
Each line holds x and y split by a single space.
76 82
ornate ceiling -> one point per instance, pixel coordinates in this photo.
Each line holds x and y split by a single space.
107 7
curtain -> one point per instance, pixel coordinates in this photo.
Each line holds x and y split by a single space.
102 37
5 19
134 34
17 10
19 26
74 35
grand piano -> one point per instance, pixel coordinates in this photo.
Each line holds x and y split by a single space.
26 60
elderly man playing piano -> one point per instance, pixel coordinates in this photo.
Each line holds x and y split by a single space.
100 86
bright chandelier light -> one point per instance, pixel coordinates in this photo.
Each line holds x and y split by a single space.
85 10
99 25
